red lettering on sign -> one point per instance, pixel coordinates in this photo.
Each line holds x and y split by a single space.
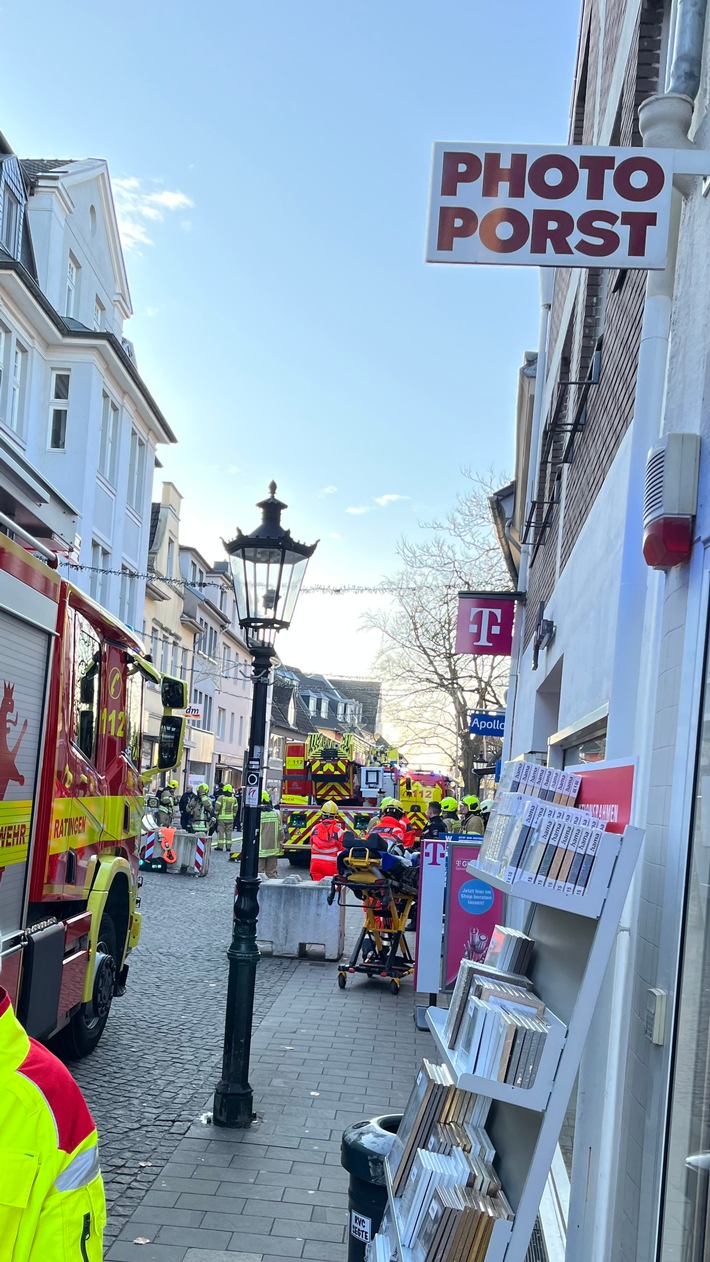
455 221
596 167
514 176
505 215
638 222
458 168
655 179
607 241
554 227
540 169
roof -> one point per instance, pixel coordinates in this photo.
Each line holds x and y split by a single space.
284 691
34 167
368 693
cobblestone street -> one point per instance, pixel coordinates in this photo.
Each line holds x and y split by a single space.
160 1053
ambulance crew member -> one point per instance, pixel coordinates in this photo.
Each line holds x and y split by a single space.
471 821
392 823
326 843
166 804
270 839
52 1206
224 813
450 814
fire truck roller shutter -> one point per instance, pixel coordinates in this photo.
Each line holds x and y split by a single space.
24 653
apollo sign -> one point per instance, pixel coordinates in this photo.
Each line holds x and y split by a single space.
545 207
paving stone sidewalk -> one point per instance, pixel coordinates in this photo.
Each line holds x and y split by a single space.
321 1059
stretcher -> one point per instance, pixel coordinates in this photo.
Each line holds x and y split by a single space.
387 897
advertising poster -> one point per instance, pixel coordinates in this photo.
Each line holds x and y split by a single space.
430 915
472 909
606 792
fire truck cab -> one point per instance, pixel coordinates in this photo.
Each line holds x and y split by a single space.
71 795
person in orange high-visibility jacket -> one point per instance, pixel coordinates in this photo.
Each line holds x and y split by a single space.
52 1206
326 843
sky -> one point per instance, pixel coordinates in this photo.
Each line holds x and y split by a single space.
271 170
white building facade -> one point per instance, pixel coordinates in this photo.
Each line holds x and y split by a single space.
73 406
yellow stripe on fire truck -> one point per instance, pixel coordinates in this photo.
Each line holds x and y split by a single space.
79 822
15 820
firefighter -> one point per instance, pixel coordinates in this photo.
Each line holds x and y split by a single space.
326 843
166 804
48 1153
270 839
486 808
450 814
392 823
224 816
201 811
471 822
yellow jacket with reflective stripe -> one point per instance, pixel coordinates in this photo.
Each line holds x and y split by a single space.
52 1206
270 834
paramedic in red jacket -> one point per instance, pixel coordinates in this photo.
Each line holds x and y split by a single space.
326 843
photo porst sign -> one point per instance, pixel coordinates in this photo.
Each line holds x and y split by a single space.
550 207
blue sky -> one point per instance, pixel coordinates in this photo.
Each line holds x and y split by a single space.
285 319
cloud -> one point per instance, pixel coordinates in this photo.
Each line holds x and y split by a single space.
137 206
335 534
328 490
233 468
357 512
384 500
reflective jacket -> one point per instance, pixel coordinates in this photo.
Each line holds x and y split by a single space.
52 1206
451 822
326 837
472 824
225 806
270 834
201 813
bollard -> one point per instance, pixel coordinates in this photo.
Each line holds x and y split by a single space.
362 1154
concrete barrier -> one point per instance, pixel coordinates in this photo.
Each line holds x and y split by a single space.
293 917
184 846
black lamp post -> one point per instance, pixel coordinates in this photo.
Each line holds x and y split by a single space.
268 568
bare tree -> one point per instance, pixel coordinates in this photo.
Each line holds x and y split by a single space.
430 689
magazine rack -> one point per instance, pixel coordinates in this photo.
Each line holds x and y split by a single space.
573 940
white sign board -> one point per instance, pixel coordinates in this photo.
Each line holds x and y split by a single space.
193 713
430 915
550 207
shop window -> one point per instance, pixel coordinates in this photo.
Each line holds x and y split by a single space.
590 750
87 678
686 1198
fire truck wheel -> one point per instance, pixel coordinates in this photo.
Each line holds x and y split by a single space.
83 1032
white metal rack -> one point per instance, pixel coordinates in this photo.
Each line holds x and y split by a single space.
574 936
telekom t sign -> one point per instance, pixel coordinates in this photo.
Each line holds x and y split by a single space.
485 626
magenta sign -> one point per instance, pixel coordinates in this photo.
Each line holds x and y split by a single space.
472 909
485 625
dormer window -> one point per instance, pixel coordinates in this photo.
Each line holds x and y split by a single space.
324 707
73 270
10 221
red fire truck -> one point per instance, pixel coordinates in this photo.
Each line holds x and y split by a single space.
71 797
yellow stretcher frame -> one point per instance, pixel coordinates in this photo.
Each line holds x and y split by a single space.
381 950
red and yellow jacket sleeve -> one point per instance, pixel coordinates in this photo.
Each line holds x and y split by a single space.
52 1206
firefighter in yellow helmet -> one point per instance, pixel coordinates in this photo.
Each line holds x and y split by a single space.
224 809
450 814
270 839
54 1209
326 843
471 821
166 804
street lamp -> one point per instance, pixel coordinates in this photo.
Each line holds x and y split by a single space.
268 568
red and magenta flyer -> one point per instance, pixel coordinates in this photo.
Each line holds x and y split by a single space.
473 909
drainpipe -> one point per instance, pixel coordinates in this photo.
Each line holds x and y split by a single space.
547 277
664 121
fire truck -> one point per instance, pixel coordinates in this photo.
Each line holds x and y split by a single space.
324 769
71 797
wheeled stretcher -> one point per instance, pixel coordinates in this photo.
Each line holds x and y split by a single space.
388 891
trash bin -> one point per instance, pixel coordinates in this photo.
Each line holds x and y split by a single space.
362 1154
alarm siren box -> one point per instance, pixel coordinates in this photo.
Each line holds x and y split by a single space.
670 500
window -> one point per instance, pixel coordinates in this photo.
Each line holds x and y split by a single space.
197 576
221 723
98 583
207 715
10 221
226 661
109 438
222 599
183 664
324 707
72 295
17 388
154 639
341 710
241 731
126 599
99 314
170 567
231 729
164 656
87 668
136 472
3 342
313 705
174 660
58 409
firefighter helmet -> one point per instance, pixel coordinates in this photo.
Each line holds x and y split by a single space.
203 788
173 784
329 808
487 806
449 804
265 799
471 802
227 788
